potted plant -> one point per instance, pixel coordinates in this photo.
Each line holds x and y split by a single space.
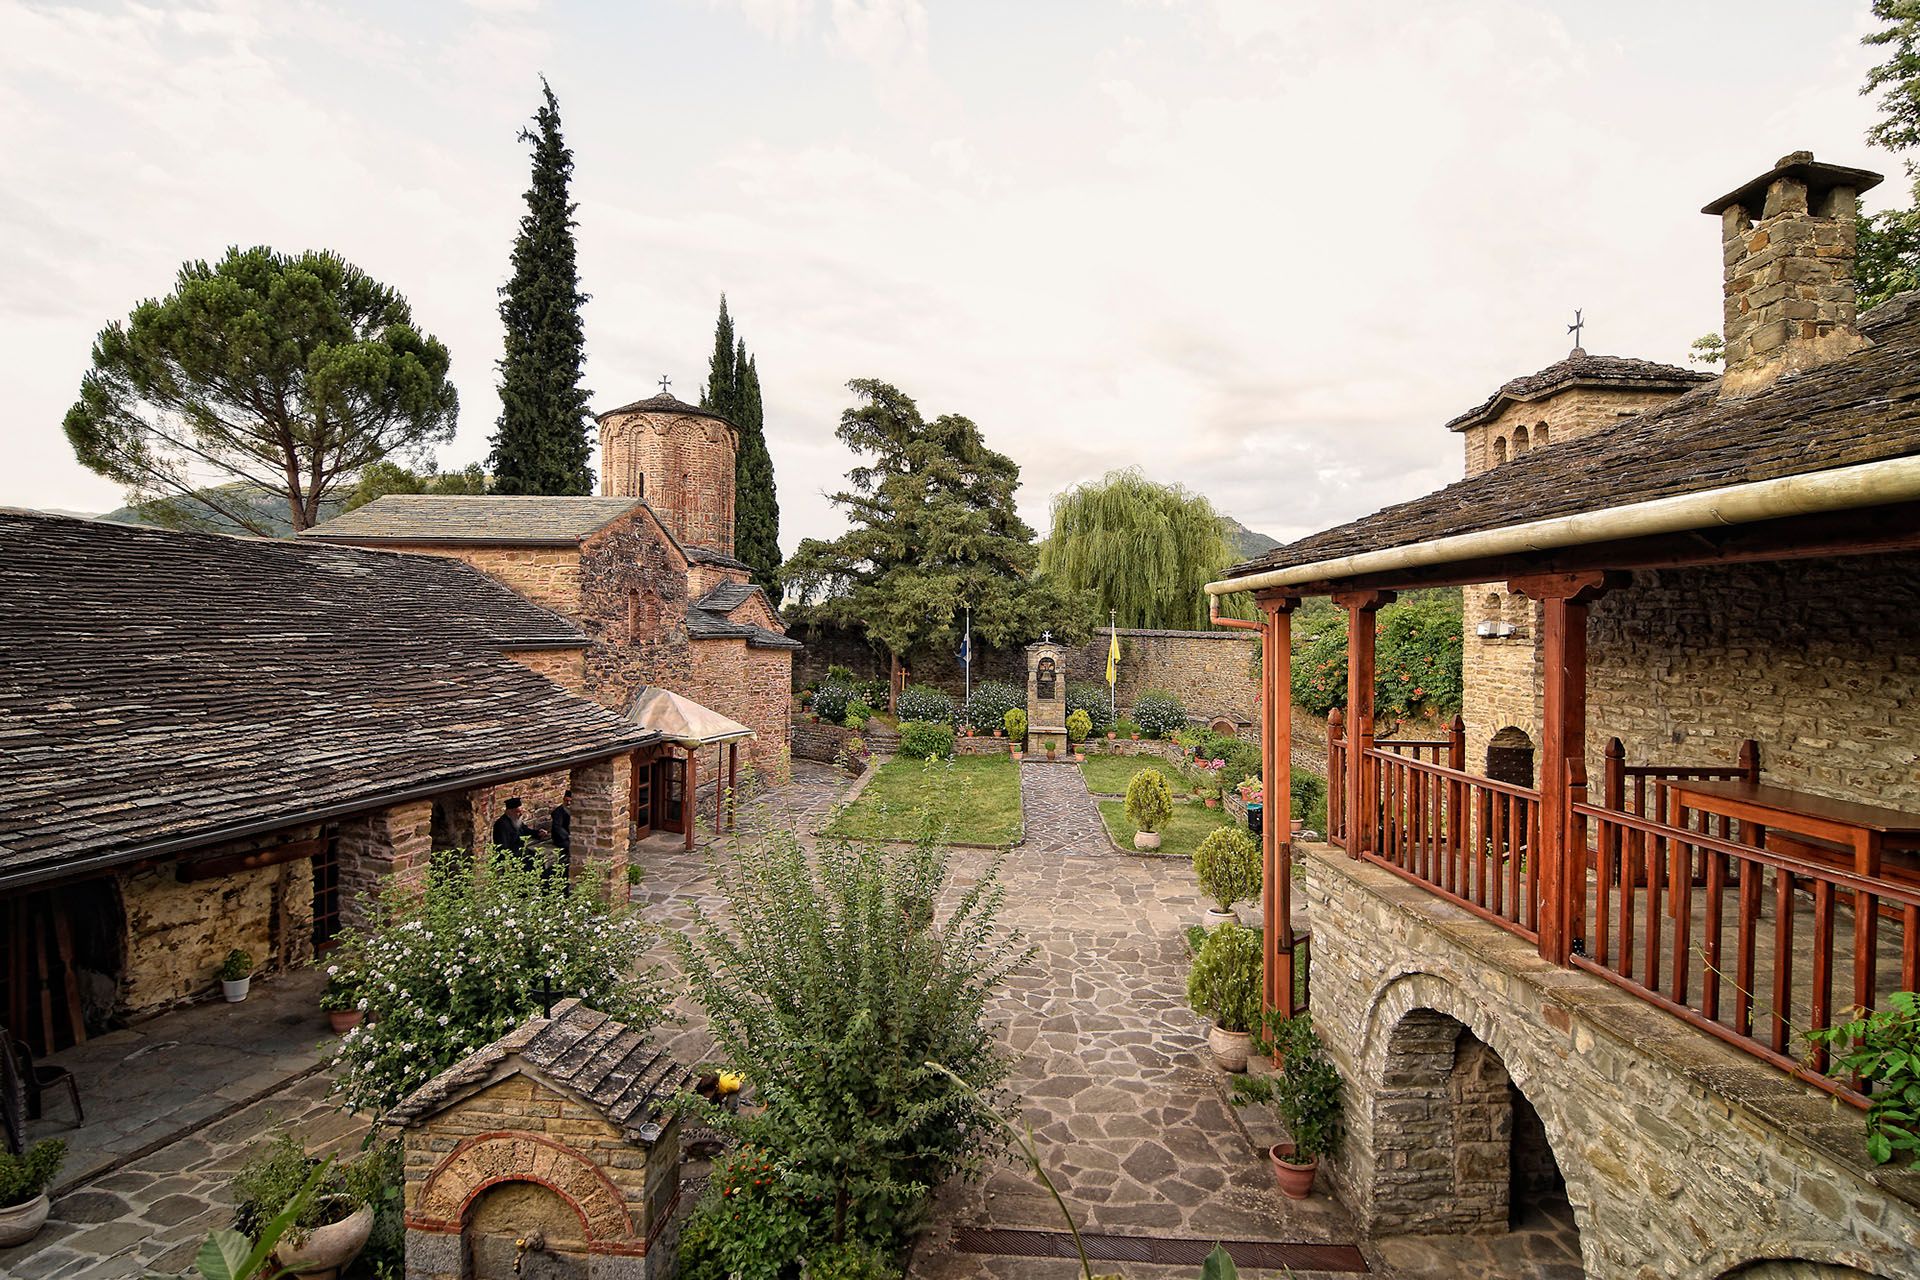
340 1002
24 1180
1149 806
1210 795
1227 864
1079 725
1052 749
1308 1099
236 975
1224 988
333 1223
1015 722
1112 734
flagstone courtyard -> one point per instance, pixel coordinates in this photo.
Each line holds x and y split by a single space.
1110 1069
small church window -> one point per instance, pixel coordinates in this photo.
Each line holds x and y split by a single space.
1540 436
1519 441
1499 450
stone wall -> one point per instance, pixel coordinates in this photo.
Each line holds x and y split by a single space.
518 1155
1523 426
1682 1156
397 841
753 686
633 607
565 667
1817 660
548 576
1211 672
602 812
179 932
682 464
818 741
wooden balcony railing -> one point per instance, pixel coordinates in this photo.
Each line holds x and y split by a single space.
1464 837
1337 778
1748 944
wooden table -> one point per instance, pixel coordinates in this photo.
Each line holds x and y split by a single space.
1867 831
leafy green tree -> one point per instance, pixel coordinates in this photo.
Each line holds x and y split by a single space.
383 478
1888 258
1142 549
733 392
934 530
541 444
291 372
1417 648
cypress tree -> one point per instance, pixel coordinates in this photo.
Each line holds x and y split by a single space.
542 443
756 504
722 391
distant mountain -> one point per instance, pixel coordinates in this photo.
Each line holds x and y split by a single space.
1246 544
269 510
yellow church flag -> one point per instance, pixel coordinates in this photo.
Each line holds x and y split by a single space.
1113 655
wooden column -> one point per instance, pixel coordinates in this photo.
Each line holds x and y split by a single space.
733 786
1276 775
689 806
1362 813
1564 598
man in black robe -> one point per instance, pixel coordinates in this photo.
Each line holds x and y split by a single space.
510 830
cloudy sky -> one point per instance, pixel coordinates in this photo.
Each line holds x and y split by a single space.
1261 247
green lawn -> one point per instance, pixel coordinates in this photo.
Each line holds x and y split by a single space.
971 799
1192 821
1109 775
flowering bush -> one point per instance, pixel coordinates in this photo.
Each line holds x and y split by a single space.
1092 698
442 972
924 702
989 703
1158 714
1416 661
831 700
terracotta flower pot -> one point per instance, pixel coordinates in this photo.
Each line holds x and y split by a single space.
1295 1179
1111 735
1213 802
1147 840
1230 1048
327 1249
20 1223
343 1020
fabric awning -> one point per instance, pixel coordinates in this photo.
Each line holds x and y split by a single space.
684 720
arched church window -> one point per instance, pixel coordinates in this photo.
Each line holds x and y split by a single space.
1519 441
1499 450
1540 435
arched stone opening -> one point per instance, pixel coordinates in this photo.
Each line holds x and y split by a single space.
506 1214
1499 450
1458 1148
1222 725
1794 1269
1540 435
1520 441
1510 757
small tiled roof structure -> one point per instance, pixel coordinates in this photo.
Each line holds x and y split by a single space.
664 403
607 1065
729 596
705 624
500 520
1862 408
707 555
1582 370
165 690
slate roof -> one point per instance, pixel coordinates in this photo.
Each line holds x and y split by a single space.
497 520
664 403
1582 370
1863 408
159 690
704 624
729 596
613 1068
707 555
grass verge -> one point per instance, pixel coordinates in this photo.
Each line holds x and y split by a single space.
968 799
1109 775
1191 823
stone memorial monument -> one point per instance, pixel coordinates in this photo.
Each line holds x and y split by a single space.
1047 700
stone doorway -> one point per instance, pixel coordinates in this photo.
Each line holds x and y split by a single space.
1510 757
71 941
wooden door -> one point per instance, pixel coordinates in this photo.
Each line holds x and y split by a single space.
672 812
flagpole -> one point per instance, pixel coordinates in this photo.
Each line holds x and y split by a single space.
966 647
1113 685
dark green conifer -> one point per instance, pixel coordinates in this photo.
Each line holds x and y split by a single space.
542 443
756 509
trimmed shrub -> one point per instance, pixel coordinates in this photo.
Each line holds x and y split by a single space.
1016 722
1149 800
990 701
831 700
1159 714
858 713
925 740
1227 864
1079 725
1310 800
1224 984
1092 698
924 702
1126 727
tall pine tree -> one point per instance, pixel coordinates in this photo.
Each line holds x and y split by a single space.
733 391
542 443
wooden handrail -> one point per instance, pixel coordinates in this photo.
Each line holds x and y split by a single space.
1459 775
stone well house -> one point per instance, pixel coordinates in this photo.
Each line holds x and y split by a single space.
646 571
1589 985
211 743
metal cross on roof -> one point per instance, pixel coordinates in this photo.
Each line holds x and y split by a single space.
1575 328
665 382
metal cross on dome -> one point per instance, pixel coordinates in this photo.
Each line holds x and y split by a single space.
1046 637
1577 325
665 382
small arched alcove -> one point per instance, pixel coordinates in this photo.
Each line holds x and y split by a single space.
1467 1154
1499 450
1510 757
1520 441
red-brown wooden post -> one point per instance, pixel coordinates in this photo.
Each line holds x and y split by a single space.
1361 607
1276 774
1749 759
733 786
1564 598
1337 778
689 807
1613 797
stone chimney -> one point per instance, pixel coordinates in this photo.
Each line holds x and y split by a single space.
1787 239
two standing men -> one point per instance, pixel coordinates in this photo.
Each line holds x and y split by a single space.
512 833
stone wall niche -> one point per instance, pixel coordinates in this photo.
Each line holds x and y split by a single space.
548 1155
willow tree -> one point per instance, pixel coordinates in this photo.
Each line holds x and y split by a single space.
1145 551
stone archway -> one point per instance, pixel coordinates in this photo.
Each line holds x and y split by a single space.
1437 1073
450 1193
1510 757
1795 1269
